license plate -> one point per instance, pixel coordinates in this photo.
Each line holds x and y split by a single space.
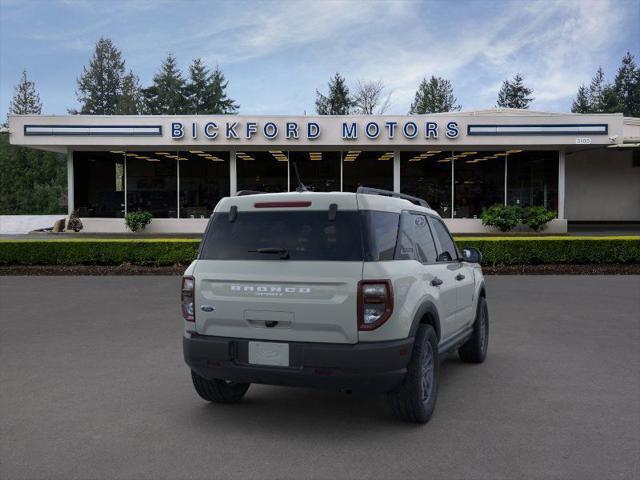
269 353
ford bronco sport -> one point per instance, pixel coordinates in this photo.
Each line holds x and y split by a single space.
357 291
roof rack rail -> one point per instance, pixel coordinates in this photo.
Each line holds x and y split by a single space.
389 193
243 193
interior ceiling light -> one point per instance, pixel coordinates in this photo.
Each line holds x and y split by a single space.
152 160
434 151
514 151
116 151
141 157
131 154
196 151
500 154
162 153
444 160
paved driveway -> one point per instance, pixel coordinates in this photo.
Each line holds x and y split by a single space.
92 385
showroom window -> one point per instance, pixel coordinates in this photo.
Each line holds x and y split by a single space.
427 174
319 171
478 182
532 178
99 184
262 171
204 180
152 184
369 169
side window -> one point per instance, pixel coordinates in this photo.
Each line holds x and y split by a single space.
447 246
416 242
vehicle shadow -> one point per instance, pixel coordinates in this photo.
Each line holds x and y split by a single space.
291 411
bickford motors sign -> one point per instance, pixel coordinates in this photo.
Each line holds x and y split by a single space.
294 130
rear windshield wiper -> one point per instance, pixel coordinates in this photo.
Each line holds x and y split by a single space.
284 253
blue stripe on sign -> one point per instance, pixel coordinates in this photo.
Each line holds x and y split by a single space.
94 130
532 129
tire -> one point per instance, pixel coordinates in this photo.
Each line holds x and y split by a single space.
219 391
474 350
415 399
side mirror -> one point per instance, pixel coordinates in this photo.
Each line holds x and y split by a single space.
472 255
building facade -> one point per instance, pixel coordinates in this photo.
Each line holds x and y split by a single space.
583 167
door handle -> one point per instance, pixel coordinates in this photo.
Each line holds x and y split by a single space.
436 282
460 277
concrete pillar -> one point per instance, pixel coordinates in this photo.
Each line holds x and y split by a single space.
233 177
70 185
561 183
396 171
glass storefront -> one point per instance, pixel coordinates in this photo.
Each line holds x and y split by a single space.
532 178
204 180
262 171
370 169
99 184
319 171
188 184
478 182
427 174
152 184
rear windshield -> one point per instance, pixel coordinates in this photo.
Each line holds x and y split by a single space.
303 235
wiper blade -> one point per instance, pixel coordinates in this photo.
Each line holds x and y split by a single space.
284 253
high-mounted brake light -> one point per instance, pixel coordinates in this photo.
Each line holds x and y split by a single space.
186 298
281 204
375 303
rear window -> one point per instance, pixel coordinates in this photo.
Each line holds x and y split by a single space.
305 235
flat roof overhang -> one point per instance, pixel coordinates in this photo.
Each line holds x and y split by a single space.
517 129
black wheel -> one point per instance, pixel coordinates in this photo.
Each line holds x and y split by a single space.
219 391
415 399
474 350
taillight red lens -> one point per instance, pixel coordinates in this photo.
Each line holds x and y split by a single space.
375 303
187 298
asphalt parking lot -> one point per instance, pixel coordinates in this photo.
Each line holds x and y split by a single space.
93 385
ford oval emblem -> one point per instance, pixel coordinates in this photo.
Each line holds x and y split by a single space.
207 308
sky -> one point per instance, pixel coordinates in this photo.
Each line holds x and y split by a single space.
275 54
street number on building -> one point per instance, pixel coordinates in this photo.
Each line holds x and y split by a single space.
583 141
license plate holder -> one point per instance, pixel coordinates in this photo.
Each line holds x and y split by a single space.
275 354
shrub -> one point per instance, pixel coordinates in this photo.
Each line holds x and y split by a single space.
504 218
74 223
137 220
537 217
495 251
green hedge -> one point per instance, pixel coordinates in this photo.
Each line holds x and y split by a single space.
495 250
98 252
540 250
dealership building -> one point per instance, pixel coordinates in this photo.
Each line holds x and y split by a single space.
586 168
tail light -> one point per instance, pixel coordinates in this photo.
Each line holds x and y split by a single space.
188 308
375 303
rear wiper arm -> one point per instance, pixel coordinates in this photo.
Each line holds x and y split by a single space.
284 253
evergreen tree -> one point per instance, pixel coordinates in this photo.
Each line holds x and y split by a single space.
206 91
100 85
581 104
218 101
434 95
338 101
167 95
25 99
627 86
130 101
596 91
514 94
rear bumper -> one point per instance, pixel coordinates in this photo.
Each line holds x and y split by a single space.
370 367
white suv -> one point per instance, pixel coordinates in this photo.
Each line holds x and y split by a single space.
357 291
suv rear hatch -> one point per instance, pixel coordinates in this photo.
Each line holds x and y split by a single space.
281 267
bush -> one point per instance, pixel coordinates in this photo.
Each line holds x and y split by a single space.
504 218
98 252
495 251
137 220
74 223
567 250
537 217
